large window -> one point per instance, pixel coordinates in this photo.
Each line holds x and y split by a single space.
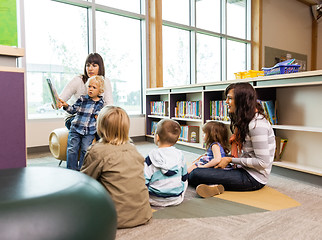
122 57
56 48
203 41
59 36
176 70
218 42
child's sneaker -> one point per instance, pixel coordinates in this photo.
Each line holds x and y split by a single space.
206 191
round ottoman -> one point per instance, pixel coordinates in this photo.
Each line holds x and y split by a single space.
40 203
58 143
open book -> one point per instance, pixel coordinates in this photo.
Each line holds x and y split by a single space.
53 94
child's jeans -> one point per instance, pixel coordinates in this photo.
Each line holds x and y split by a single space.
75 143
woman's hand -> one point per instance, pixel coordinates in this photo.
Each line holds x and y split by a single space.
224 162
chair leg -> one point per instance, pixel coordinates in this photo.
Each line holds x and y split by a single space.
60 162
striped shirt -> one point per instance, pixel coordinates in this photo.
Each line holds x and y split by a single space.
86 109
258 151
165 172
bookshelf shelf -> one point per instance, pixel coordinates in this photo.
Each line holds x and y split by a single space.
298 97
298 128
157 116
187 119
298 167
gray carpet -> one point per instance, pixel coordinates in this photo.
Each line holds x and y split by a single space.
302 222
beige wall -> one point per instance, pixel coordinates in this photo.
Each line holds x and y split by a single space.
287 26
38 130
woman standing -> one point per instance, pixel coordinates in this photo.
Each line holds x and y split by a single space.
253 147
94 65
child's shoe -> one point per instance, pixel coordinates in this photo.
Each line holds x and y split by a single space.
206 191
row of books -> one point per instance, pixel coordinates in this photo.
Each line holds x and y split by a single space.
188 109
160 108
219 110
188 133
270 110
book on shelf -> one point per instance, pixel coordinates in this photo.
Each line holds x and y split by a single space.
160 108
153 127
219 110
53 94
280 147
189 134
270 110
188 109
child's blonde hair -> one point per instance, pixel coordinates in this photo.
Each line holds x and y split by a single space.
113 125
168 131
216 132
99 80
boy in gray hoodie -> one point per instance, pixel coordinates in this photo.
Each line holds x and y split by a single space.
165 169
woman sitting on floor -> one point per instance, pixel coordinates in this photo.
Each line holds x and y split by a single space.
253 147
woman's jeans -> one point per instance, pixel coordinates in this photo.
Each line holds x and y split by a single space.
77 145
233 180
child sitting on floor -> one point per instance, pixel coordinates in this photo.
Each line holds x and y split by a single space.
165 168
216 139
83 127
115 162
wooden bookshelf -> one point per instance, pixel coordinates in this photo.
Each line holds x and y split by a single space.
299 113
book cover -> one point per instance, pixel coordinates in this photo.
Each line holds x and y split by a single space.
270 107
153 127
53 94
282 146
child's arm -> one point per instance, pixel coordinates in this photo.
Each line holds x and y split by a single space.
148 170
217 157
72 109
193 165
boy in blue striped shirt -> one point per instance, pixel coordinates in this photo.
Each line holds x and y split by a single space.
83 127
165 169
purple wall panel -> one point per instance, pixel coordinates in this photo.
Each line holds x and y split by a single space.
12 120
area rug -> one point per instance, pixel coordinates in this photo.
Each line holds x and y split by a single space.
228 204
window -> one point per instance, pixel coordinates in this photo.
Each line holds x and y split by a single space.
176 64
127 5
236 58
218 42
236 18
176 11
56 48
121 51
59 36
208 15
208 58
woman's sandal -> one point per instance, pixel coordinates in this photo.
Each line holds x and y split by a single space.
206 191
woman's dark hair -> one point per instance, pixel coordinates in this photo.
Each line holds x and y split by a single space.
97 59
246 105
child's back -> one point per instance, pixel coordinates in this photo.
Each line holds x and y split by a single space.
165 171
117 164
120 169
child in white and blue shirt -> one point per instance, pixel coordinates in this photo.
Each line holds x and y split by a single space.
165 169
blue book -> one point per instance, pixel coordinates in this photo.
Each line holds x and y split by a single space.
270 107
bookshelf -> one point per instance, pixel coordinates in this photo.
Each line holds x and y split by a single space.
299 113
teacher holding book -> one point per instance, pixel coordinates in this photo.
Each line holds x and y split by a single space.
94 65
